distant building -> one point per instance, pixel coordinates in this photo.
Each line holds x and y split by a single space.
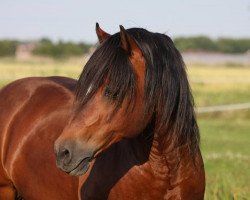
24 50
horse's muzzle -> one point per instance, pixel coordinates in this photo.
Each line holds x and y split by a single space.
72 159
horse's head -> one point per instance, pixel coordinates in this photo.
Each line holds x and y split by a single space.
109 102
135 82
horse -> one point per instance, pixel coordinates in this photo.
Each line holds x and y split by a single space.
125 130
133 125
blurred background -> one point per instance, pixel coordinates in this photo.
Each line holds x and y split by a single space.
43 38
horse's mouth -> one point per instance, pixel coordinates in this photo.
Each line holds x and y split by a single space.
83 165
81 168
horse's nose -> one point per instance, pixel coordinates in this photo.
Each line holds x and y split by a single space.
72 157
63 155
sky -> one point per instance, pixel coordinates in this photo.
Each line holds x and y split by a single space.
74 20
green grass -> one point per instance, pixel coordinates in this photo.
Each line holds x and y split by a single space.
225 147
225 136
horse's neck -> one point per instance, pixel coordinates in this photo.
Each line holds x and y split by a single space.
160 158
144 150
157 159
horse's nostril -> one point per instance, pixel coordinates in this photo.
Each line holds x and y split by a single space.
64 156
65 152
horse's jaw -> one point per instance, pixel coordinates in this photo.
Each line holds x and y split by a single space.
81 168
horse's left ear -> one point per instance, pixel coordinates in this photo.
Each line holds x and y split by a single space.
128 43
101 34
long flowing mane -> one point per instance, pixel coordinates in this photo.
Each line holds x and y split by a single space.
168 98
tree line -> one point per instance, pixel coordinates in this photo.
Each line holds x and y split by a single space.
61 49
46 47
203 43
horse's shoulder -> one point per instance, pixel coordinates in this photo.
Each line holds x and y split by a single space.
66 82
31 85
36 93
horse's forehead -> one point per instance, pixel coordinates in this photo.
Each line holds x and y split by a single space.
139 67
90 88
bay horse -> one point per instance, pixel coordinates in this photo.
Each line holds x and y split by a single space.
125 130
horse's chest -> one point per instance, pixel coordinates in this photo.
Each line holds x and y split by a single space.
137 183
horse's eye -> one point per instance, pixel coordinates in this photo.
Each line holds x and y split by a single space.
110 94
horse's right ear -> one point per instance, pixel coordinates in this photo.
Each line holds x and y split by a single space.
101 34
128 43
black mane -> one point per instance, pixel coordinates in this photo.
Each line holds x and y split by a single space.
168 97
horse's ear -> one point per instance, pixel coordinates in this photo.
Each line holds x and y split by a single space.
101 34
128 43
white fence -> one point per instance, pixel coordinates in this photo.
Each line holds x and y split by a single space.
220 108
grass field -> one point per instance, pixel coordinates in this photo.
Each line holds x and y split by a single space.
11 69
225 136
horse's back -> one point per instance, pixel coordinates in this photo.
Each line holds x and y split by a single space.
33 112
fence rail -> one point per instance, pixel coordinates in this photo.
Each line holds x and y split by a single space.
220 108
